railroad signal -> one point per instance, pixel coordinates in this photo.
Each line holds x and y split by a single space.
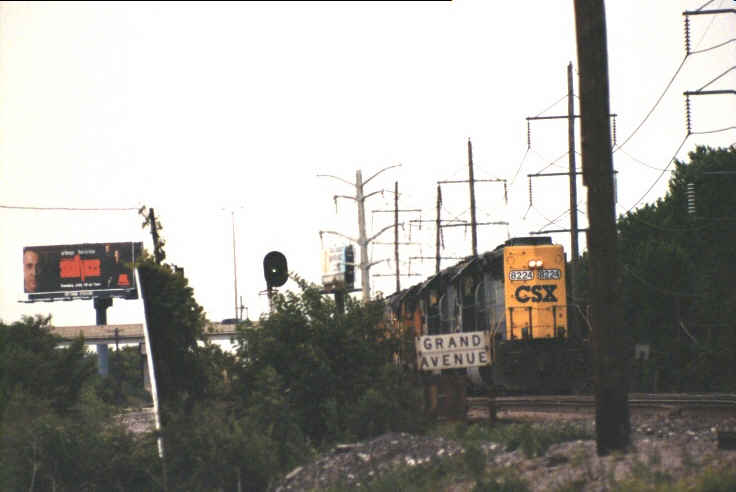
275 269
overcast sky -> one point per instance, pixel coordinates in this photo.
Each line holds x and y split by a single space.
210 112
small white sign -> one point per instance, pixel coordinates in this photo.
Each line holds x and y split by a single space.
453 350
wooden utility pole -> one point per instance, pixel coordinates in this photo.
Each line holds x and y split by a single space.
572 174
573 185
158 252
471 181
396 234
611 354
439 232
396 242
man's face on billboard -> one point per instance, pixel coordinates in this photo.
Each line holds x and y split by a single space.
31 271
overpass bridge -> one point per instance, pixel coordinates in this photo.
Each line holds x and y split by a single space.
102 336
133 333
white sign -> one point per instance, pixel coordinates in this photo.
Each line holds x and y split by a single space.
453 350
337 267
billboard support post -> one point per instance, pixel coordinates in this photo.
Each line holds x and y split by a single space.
101 304
340 301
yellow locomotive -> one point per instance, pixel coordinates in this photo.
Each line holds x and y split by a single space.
517 293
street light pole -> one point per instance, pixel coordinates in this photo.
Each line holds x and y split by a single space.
235 267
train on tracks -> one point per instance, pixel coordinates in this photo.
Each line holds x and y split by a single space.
518 294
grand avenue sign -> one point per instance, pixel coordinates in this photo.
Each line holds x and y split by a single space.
453 350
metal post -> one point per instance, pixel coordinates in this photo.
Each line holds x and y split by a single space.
362 240
101 304
235 269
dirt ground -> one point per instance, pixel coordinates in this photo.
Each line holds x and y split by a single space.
670 442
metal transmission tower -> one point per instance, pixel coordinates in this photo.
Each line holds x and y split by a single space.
362 240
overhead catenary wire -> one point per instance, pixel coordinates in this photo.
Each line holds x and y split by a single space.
521 164
674 156
639 161
705 132
705 50
705 5
710 24
656 103
551 163
715 79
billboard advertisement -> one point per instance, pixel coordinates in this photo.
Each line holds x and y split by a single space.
80 271
338 269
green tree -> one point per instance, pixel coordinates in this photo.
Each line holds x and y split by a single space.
31 363
175 323
679 277
325 365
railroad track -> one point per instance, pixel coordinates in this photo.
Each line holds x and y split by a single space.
581 403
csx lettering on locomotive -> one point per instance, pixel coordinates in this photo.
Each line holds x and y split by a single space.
526 293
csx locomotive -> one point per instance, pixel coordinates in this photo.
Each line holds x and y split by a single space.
517 293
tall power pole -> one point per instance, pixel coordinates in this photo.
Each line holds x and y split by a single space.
471 180
572 174
396 242
363 240
610 354
396 234
158 243
438 235
573 183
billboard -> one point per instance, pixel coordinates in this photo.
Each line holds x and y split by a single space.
338 268
80 271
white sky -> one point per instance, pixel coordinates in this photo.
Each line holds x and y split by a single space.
199 109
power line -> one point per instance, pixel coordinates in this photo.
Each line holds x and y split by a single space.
724 73
521 164
552 105
662 174
659 99
641 162
76 209
705 4
712 19
704 50
551 163
715 131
